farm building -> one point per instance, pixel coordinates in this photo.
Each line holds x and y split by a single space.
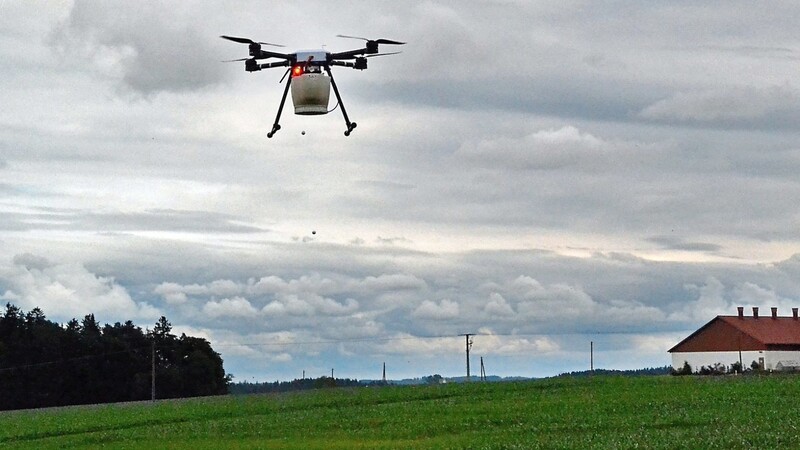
773 342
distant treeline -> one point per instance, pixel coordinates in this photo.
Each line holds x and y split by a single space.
664 370
43 363
294 385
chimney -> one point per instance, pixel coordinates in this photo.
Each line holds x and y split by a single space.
794 313
741 311
755 312
774 312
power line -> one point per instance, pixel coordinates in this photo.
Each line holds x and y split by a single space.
387 339
333 341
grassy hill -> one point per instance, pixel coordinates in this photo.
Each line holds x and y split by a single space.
592 412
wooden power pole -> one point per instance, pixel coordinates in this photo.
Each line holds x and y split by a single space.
468 341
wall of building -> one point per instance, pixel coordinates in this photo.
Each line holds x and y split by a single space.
699 359
773 358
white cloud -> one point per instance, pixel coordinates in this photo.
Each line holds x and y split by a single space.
558 300
229 307
405 344
547 149
66 291
172 293
392 282
269 285
444 310
487 342
724 104
498 306
708 303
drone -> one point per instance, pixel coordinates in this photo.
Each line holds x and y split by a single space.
310 86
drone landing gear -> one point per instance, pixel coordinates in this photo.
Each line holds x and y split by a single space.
276 126
350 125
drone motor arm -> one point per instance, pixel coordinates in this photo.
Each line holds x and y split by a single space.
359 64
264 54
252 66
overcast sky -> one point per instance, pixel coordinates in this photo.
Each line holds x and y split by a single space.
543 174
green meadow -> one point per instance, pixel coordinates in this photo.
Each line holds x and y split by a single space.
580 413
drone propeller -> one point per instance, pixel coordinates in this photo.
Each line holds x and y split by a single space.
382 54
377 41
356 56
248 41
236 60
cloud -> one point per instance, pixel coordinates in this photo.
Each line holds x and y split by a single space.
485 341
677 243
498 306
173 293
444 310
392 282
133 221
517 169
745 104
548 149
30 261
710 301
230 307
406 344
67 290
149 50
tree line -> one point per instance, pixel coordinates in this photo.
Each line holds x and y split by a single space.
304 384
44 363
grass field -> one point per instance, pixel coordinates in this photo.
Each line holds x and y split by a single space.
599 412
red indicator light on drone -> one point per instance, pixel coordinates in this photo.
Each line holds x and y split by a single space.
297 71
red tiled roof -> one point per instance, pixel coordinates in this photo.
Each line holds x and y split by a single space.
730 333
769 331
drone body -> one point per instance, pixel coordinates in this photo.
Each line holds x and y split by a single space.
309 85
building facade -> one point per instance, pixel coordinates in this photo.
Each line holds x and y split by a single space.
772 342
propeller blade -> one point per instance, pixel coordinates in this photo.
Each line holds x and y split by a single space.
381 54
389 41
248 41
377 41
351 37
236 60
274 45
238 39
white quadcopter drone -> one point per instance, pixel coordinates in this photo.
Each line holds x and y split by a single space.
310 87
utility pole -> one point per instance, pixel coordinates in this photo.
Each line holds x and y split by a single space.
468 341
591 356
384 373
483 371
